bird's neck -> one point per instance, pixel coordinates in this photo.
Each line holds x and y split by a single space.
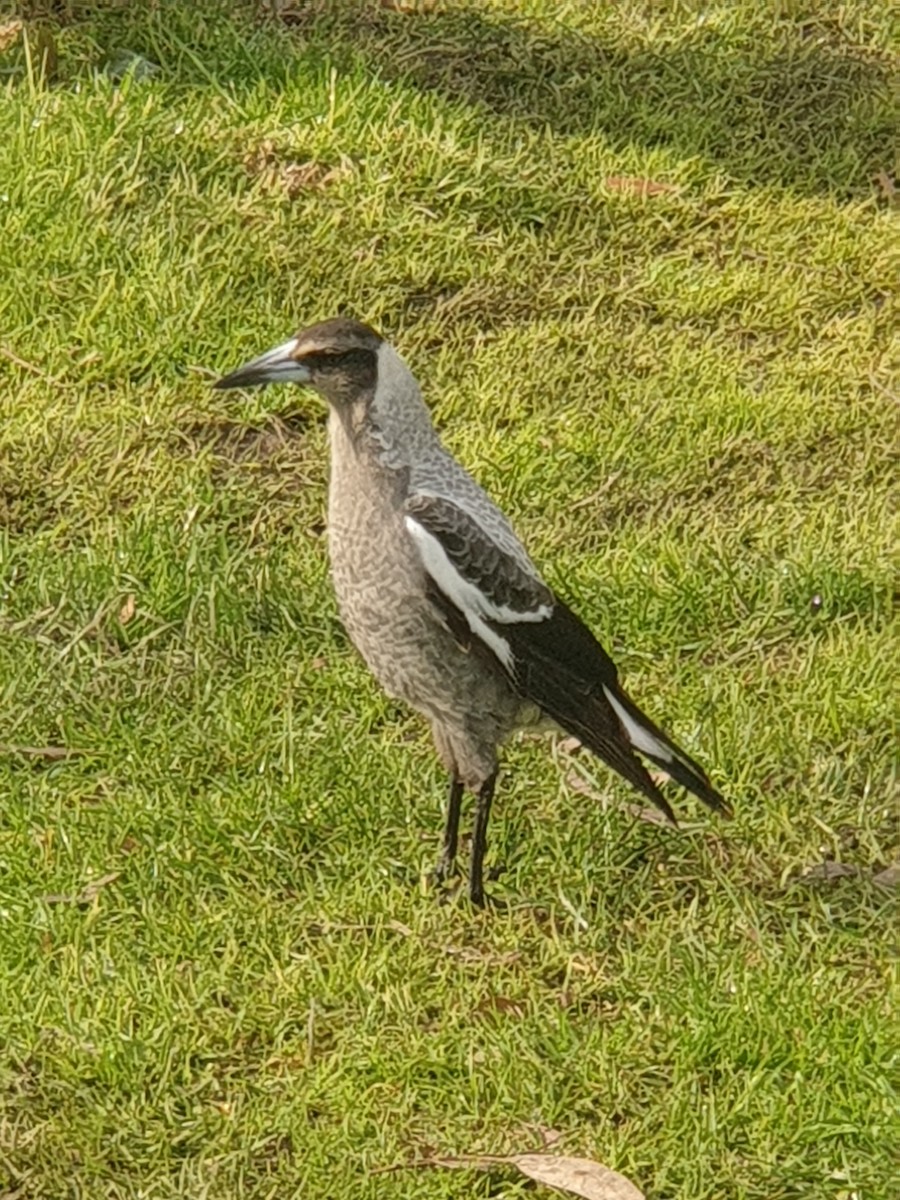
388 424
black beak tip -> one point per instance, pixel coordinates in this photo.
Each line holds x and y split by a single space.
237 379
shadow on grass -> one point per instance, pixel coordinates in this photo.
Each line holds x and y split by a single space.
802 106
795 103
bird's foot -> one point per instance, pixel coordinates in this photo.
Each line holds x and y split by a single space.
479 898
445 870
451 889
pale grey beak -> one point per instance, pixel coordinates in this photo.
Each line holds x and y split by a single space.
275 366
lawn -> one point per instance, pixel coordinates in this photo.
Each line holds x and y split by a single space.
642 258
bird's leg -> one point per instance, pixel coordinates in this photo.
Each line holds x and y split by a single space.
447 861
479 841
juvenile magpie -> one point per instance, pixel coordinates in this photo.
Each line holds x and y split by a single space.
440 597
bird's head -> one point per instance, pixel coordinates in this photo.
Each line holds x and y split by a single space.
338 358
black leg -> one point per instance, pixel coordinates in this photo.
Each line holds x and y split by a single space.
479 841
447 861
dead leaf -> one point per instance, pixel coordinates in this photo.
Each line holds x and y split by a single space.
126 612
88 893
501 1005
268 163
93 889
569 745
889 877
830 870
639 187
477 954
47 753
308 176
580 785
574 1176
652 816
541 1133
886 185
10 32
577 1176
410 7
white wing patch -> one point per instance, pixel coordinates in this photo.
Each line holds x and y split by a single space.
639 737
477 608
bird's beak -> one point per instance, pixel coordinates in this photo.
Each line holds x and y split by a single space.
275 366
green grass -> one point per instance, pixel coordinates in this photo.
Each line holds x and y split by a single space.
687 402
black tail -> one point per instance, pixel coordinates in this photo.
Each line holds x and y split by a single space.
560 665
648 739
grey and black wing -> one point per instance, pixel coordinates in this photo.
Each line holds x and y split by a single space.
494 601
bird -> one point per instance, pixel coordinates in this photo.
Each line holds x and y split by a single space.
441 598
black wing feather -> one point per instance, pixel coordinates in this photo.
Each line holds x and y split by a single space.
557 663
477 557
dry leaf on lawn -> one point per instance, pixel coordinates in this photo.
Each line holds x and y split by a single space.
275 170
126 612
886 185
9 33
47 753
93 888
580 785
830 870
548 1137
889 877
569 745
638 187
499 1006
575 1176
411 7
89 892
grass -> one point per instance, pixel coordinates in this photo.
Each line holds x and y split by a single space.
220 973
